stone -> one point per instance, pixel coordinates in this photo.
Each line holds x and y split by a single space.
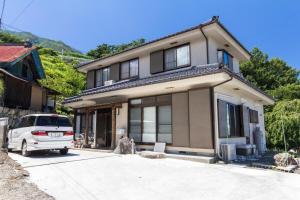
125 146
159 147
284 160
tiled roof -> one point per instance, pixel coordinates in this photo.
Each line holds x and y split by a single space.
11 52
174 75
159 78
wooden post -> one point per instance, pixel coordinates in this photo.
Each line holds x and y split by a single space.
55 104
86 131
75 122
113 128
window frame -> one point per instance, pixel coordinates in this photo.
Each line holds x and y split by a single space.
129 76
253 116
224 51
102 80
156 104
241 133
177 47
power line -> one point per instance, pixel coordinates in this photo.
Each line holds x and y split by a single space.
22 11
12 27
2 12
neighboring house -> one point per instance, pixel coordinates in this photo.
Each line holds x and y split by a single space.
20 70
184 89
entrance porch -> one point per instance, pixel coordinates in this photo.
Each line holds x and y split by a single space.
95 127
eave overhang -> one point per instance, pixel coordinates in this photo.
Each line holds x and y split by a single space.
194 77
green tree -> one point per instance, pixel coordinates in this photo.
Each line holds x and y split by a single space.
281 81
286 92
268 74
284 119
103 50
8 38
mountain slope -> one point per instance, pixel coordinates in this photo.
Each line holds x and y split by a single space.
44 42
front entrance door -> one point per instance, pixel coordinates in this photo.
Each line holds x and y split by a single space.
104 125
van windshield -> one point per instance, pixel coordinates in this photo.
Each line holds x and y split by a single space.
53 121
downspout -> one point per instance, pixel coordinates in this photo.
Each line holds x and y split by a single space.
216 149
206 42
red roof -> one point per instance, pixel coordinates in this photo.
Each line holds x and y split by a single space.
9 53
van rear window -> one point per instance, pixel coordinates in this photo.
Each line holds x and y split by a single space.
53 121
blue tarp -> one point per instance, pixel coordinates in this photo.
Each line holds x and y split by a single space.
38 64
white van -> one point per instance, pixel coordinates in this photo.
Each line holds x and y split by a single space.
41 132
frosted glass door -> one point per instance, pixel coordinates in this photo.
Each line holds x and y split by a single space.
149 124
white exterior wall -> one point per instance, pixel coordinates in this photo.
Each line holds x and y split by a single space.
236 65
198 52
144 66
213 54
234 98
213 50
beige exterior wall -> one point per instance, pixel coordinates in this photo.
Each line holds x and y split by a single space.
180 119
36 98
200 119
192 119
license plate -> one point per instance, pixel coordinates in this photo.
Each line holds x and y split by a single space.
55 134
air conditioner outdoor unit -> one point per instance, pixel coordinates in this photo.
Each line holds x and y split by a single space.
109 82
228 152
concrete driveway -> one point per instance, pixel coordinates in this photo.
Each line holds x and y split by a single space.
93 175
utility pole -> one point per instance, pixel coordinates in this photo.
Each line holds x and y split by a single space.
1 17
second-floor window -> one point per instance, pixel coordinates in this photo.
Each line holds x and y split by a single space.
177 57
129 69
225 58
102 75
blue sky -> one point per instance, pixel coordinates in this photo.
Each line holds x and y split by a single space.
271 25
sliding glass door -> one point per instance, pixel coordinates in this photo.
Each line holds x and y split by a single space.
149 124
164 124
150 119
135 124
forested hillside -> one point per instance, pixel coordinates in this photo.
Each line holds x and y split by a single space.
43 42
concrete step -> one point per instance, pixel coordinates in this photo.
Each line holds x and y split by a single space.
195 158
95 150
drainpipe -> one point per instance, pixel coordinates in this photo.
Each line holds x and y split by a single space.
213 20
217 152
206 42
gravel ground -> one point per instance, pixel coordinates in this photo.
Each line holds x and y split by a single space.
13 183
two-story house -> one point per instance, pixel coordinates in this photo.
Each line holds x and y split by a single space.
184 89
20 70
